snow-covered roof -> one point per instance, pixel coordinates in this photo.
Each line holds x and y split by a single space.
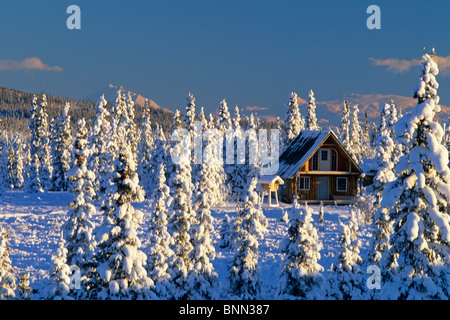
270 179
301 149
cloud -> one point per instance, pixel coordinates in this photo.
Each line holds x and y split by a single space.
255 108
372 104
269 118
396 65
32 63
403 65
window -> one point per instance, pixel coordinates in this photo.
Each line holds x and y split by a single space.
333 160
315 161
324 155
303 183
341 184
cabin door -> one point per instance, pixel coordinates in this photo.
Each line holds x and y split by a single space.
323 188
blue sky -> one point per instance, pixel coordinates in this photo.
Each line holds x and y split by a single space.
253 53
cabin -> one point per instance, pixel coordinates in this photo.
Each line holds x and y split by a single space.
317 168
269 185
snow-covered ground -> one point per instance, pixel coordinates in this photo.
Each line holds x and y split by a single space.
35 221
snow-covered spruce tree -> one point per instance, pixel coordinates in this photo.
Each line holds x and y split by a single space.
15 165
7 273
78 229
236 119
367 152
34 183
238 170
355 136
39 168
391 119
120 262
59 286
244 273
294 122
189 116
181 217
61 156
23 287
160 254
224 117
225 136
344 130
226 232
311 118
146 145
202 279
384 152
447 134
210 177
300 276
44 150
416 264
100 159
346 279
122 124
10 166
158 156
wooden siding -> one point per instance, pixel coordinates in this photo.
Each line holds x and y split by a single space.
312 193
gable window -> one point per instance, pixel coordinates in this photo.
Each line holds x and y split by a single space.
341 184
333 160
303 183
315 161
324 155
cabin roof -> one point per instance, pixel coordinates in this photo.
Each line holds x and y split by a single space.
302 148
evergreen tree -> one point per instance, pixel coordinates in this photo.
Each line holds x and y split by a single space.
59 287
100 160
189 116
181 218
146 146
11 162
45 168
160 254
355 148
224 117
384 153
7 273
61 156
158 156
78 229
211 177
15 165
40 168
311 118
202 279
416 264
300 276
120 262
347 278
345 126
34 183
244 275
294 122
367 152
226 232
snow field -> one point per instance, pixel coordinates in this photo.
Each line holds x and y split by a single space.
35 224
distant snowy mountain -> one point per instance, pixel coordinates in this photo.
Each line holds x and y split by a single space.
110 92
